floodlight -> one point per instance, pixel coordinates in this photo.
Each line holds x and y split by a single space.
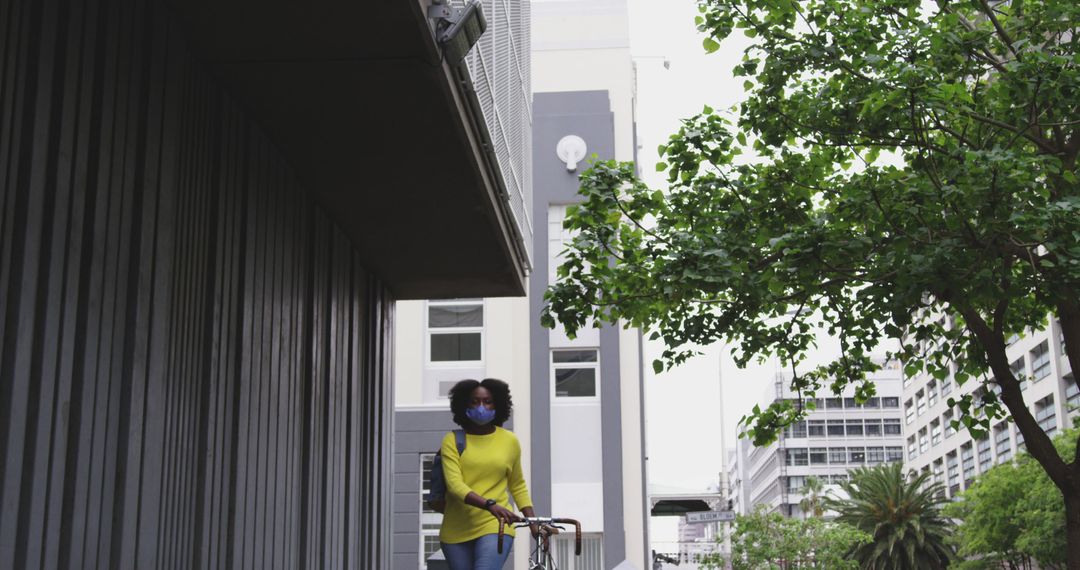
458 29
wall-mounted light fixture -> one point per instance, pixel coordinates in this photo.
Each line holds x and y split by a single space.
457 29
571 149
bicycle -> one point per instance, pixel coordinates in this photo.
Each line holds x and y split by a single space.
540 558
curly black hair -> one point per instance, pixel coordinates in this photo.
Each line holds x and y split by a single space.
461 397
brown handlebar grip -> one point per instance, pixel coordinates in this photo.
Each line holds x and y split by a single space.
577 533
500 535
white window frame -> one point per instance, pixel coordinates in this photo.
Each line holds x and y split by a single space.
553 366
434 519
429 332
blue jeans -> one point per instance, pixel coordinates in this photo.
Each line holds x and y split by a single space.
478 554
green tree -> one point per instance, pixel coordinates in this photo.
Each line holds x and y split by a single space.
813 501
1011 515
768 541
913 179
901 513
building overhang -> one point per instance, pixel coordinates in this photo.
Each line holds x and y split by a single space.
386 135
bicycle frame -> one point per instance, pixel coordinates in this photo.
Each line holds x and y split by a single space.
541 556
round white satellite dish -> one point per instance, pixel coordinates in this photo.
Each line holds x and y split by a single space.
571 150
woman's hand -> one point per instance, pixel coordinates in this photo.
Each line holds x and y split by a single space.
504 514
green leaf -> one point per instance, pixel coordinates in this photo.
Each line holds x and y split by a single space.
710 45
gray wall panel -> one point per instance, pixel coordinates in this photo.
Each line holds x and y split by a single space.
193 362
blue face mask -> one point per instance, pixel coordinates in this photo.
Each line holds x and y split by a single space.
480 415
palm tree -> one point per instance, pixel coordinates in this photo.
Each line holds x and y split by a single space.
903 515
813 501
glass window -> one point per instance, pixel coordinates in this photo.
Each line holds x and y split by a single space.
835 428
909 412
455 330
818 456
797 457
873 428
946 420
935 432
1072 392
1046 414
875 455
850 403
815 428
1040 361
834 403
856 455
912 450
430 521
837 455
874 402
894 454
854 427
575 373
892 426
890 402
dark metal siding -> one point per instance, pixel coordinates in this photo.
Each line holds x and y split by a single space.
193 363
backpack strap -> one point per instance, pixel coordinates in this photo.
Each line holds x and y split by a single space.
459 437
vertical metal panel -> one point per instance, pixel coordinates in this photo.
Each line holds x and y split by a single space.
193 362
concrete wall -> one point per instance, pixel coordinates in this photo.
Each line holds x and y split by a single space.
193 363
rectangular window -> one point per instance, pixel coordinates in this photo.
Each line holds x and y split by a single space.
575 372
835 428
874 402
834 403
854 427
931 393
909 412
837 455
1002 442
946 420
856 455
797 457
935 432
986 458
890 402
815 428
946 386
920 402
953 472
967 460
875 455
894 454
1040 361
430 521
892 426
850 404
455 330
924 441
799 429
873 428
795 483
1072 392
1046 414
819 456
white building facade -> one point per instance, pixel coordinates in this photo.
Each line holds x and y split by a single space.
837 436
577 402
953 457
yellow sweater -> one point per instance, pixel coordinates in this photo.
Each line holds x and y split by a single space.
489 465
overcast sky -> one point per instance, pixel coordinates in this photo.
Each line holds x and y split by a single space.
684 411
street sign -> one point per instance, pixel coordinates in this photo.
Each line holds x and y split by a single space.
710 516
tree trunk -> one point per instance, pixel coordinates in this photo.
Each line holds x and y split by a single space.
1072 527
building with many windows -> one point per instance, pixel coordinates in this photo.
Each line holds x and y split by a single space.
836 436
578 408
952 456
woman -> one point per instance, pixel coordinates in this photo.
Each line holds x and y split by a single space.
477 480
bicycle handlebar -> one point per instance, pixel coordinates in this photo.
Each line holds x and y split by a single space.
529 521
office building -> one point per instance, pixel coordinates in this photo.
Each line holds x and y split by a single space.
835 437
952 456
